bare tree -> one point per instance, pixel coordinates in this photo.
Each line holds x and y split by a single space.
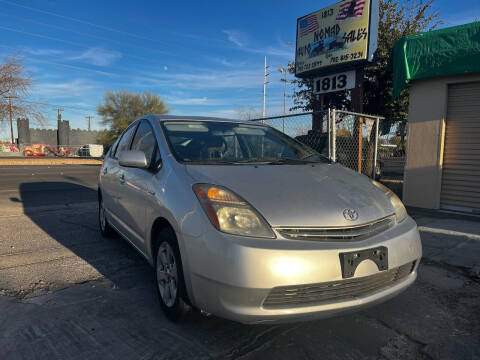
249 114
15 82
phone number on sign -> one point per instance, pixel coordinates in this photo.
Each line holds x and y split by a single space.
347 57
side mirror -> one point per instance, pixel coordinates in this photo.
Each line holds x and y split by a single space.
133 158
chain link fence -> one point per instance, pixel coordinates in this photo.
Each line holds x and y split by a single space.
345 137
392 149
354 140
311 128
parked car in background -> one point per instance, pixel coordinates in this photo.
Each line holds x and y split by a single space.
90 150
242 221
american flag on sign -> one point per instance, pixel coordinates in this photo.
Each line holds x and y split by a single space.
351 8
308 24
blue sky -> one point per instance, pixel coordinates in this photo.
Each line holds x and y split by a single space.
201 57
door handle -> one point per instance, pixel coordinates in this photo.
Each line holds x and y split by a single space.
122 179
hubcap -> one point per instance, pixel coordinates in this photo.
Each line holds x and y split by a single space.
102 216
167 276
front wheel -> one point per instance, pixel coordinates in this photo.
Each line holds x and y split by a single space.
169 277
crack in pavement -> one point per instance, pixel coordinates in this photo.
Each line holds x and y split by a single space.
418 344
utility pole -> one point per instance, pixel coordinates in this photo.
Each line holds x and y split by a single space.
59 115
265 82
10 109
89 118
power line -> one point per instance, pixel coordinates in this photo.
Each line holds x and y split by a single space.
103 27
59 106
81 33
79 21
82 68
77 44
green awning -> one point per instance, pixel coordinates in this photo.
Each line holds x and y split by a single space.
449 51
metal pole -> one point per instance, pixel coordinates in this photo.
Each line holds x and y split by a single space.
377 123
329 132
264 86
334 140
89 118
360 146
284 99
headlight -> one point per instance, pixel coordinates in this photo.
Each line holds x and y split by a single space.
231 214
400 211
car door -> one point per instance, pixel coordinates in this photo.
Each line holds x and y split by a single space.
107 178
116 178
138 193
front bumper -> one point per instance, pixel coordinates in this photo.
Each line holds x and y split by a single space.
231 276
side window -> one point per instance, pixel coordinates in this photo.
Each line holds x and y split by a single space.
125 140
113 149
145 141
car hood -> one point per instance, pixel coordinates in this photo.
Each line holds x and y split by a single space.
300 195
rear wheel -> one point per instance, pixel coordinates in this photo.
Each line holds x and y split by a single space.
169 277
105 228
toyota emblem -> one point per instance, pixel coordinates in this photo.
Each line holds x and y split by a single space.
350 214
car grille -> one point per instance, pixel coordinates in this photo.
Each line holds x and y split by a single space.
316 294
337 234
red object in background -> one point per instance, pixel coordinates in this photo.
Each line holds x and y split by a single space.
46 150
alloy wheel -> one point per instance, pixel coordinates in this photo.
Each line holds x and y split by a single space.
167 274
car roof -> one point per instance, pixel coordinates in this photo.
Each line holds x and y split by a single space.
162 118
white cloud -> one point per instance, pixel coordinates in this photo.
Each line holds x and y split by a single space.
98 56
186 101
42 52
227 63
237 37
65 90
165 68
216 79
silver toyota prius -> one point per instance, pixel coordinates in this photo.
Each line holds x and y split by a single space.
241 221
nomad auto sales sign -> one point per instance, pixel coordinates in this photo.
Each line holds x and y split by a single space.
337 37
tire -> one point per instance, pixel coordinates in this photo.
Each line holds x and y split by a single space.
169 278
105 229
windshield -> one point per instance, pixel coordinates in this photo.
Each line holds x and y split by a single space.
212 142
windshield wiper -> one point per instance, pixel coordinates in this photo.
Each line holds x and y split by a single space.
289 161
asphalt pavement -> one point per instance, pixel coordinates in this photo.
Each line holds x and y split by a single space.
68 293
32 186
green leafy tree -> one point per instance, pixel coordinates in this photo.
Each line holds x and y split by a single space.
397 19
121 107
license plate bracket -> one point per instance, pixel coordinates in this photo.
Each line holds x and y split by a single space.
350 260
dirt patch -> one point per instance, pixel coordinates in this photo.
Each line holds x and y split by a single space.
50 161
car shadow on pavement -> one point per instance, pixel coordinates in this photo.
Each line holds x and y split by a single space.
67 212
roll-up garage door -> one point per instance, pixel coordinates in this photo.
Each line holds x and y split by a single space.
461 159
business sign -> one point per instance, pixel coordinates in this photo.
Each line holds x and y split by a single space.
337 37
334 82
